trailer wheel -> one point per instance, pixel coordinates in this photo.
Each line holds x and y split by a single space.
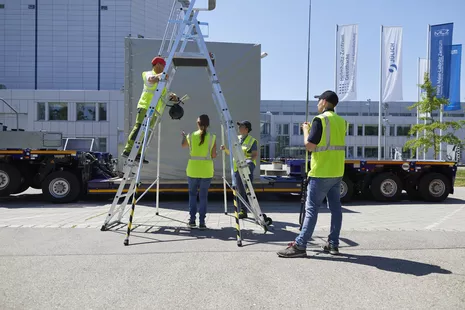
61 187
434 187
386 187
10 179
347 189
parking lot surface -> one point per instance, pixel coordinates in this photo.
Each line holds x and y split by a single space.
405 256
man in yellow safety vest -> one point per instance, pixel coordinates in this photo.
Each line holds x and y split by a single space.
150 79
250 148
326 141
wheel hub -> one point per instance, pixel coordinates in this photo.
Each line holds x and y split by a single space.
344 189
388 188
59 187
4 179
437 188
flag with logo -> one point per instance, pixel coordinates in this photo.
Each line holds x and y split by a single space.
346 62
439 69
391 63
454 89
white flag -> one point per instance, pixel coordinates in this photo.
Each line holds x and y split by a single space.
391 64
422 69
346 62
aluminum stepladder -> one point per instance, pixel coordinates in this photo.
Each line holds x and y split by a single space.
188 31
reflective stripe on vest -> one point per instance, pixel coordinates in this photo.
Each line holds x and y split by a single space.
328 146
209 155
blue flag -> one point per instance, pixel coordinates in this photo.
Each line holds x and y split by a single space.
439 70
455 64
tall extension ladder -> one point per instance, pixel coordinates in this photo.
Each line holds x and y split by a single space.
189 30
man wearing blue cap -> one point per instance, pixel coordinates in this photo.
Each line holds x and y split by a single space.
326 141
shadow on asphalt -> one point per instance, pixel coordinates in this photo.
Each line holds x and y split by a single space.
277 235
396 265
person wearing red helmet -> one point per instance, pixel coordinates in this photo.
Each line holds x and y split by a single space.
150 79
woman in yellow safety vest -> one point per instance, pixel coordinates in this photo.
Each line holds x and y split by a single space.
202 149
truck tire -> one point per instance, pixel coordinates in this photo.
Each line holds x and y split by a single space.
347 189
434 187
61 187
386 187
10 179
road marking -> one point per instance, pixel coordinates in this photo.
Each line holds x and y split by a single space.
445 218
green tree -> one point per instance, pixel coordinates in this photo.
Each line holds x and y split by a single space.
428 129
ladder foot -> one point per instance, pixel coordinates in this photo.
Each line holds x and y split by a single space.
225 213
156 213
126 241
239 243
103 228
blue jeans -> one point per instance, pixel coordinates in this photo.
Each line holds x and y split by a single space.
202 186
317 190
240 186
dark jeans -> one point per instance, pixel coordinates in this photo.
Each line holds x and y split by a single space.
240 186
317 190
200 185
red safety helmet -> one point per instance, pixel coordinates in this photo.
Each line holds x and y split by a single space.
158 60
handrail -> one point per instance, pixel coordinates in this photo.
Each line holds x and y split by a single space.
16 112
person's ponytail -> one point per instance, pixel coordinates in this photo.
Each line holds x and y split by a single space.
204 122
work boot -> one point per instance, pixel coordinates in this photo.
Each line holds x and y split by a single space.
192 224
331 249
243 214
126 155
292 251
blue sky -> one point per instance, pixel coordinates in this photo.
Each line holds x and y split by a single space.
281 28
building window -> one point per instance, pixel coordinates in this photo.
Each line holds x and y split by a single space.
350 130
297 129
264 128
41 111
392 130
349 152
91 111
359 151
403 130
2 6
282 129
102 111
85 111
371 130
100 144
360 130
371 152
57 111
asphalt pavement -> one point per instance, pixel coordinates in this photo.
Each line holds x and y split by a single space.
399 256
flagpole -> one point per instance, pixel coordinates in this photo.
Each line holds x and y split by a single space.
308 76
428 43
335 61
380 93
418 100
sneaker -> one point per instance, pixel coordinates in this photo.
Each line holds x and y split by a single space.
292 251
126 155
331 249
192 224
243 214
202 226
